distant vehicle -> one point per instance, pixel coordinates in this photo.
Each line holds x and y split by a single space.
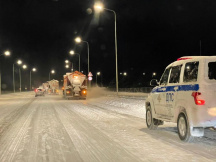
45 87
39 92
75 85
53 87
186 95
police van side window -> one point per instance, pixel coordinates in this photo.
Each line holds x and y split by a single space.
212 70
175 74
164 78
191 72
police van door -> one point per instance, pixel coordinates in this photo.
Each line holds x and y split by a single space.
172 91
160 93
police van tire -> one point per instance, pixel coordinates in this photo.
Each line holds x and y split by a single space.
150 122
184 128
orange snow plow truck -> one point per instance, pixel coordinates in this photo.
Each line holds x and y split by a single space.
75 85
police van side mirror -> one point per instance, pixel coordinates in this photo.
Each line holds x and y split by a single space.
154 82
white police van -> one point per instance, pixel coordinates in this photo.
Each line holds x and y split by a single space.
186 95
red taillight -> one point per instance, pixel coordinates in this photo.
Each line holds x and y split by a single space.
184 58
36 90
196 99
68 92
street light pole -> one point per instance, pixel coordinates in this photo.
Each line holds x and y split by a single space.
96 80
98 73
100 7
34 69
78 40
52 71
72 53
88 53
20 78
19 62
0 76
30 82
79 62
13 80
6 53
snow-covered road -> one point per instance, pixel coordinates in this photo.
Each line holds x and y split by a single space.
99 129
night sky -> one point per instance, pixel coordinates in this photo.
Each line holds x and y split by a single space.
151 34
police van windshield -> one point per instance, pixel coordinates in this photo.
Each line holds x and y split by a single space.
212 70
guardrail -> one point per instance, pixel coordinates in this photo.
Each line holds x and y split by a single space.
141 89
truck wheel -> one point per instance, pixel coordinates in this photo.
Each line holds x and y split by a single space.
150 122
184 128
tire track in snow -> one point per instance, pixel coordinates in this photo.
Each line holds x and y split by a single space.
18 130
92 144
172 138
49 141
125 129
9 119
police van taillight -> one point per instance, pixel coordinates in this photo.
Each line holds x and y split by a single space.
197 100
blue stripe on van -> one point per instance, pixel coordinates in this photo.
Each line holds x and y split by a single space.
192 87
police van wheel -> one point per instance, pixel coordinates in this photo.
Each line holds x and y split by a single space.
150 122
184 129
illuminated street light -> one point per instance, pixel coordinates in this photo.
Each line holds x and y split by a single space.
125 74
66 61
6 53
153 74
19 62
99 7
78 40
72 53
98 73
67 66
34 70
24 66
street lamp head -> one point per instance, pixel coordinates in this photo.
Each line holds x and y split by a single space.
24 66
98 6
78 40
125 74
52 71
67 66
72 52
19 62
7 53
34 69
98 73
154 74
66 61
